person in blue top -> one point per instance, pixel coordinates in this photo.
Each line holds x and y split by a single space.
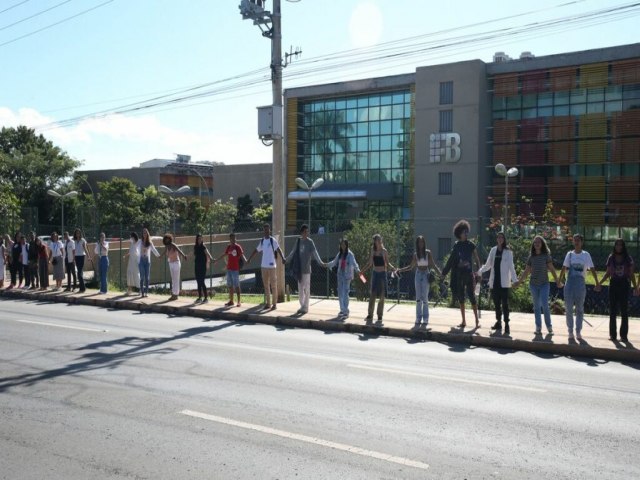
347 267
460 263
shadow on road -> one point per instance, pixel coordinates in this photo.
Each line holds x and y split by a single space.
96 359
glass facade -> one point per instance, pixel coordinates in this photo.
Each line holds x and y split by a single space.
356 142
574 134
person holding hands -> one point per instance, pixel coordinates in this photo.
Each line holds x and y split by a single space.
235 260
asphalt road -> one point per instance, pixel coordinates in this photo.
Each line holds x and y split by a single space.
89 393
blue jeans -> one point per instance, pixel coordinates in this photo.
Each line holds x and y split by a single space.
104 268
540 296
145 272
575 291
422 296
344 284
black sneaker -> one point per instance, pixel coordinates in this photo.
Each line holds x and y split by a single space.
497 326
507 331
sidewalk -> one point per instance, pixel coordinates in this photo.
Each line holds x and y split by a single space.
398 322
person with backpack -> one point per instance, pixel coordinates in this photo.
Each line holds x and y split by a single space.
620 269
574 268
422 261
270 250
460 264
235 261
300 260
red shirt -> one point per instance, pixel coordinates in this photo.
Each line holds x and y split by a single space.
233 253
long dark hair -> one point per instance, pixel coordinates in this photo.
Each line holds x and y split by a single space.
377 236
421 250
506 242
199 247
624 252
544 248
345 252
77 234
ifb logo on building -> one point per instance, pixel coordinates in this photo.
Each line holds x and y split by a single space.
444 146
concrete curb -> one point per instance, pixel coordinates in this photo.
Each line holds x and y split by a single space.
630 355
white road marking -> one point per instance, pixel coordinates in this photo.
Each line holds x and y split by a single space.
304 438
447 379
47 324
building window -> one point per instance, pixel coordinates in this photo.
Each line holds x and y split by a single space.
446 93
445 181
446 121
444 247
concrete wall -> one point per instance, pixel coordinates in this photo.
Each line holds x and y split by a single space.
435 214
238 180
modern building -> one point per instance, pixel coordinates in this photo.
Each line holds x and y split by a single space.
423 146
208 181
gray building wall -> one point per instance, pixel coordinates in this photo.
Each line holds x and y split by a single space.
435 214
238 180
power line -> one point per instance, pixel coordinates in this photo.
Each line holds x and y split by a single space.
55 23
390 56
34 15
14 6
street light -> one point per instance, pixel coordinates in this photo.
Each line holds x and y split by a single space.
172 194
315 185
55 194
512 172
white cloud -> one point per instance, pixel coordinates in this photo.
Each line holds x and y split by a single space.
120 141
365 26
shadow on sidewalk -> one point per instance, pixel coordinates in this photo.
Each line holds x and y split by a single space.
97 359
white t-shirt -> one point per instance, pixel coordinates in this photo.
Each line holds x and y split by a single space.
81 246
57 249
70 246
578 263
268 253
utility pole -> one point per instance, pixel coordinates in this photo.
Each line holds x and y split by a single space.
279 171
270 24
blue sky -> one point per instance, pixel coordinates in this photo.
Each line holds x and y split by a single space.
132 50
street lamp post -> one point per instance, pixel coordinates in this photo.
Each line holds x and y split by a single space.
55 194
315 185
172 194
512 172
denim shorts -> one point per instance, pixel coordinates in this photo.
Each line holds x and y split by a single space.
233 278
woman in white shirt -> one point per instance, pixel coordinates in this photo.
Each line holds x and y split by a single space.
102 250
146 248
81 253
133 266
56 257
503 274
575 266
422 260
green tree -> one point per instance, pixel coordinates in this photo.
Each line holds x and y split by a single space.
221 215
10 218
156 211
30 165
244 207
119 202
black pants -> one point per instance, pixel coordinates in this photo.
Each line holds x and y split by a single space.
27 275
33 269
80 267
619 301
71 273
500 298
201 273
17 272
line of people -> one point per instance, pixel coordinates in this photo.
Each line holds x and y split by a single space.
30 258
